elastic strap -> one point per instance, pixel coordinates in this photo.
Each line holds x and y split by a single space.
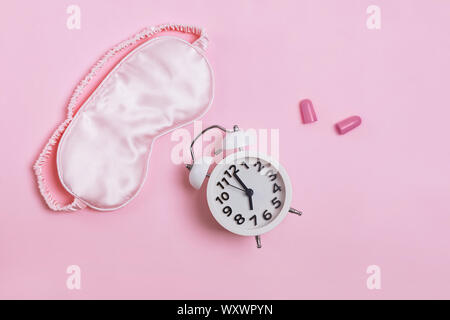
77 204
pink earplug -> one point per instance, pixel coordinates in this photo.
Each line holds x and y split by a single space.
348 124
307 111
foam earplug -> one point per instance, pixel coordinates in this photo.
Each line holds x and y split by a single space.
307 111
348 124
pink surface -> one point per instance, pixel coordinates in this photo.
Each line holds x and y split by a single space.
377 196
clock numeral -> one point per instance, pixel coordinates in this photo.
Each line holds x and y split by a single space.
276 188
227 210
271 174
254 220
259 164
221 185
239 219
267 215
244 164
231 169
225 196
276 202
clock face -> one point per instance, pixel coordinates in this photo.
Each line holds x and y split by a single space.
249 194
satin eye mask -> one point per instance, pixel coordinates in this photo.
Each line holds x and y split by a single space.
104 149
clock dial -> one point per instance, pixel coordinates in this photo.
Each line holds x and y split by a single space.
248 194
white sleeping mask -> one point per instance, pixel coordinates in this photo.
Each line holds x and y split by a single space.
103 155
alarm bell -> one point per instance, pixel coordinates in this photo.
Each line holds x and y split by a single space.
199 170
234 139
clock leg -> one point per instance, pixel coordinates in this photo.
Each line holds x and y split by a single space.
297 212
258 242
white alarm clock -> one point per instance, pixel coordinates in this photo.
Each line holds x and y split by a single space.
247 193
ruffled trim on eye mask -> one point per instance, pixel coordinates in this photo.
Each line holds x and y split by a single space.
77 204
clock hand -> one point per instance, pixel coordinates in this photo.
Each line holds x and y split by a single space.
248 192
236 187
240 182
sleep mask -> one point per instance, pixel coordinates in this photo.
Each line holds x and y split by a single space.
103 149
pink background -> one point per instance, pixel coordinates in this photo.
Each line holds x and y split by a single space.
378 195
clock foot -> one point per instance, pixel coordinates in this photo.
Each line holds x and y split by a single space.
292 210
258 242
